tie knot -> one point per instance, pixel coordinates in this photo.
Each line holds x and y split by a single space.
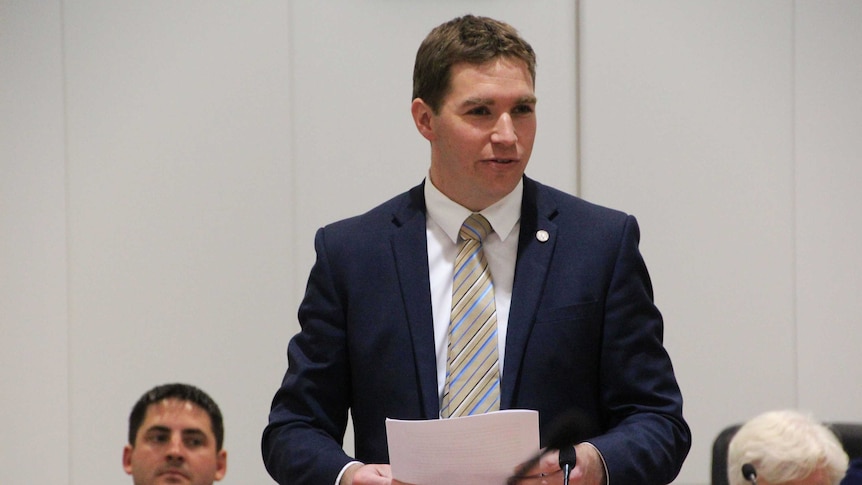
475 227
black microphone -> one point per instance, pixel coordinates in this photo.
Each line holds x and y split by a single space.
568 458
749 473
568 428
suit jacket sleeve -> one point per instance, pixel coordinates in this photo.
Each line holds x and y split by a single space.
302 442
647 438
365 346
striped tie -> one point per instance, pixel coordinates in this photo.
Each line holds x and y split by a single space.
472 374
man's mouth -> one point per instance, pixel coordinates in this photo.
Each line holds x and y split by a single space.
175 473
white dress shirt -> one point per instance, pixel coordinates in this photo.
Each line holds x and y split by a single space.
443 224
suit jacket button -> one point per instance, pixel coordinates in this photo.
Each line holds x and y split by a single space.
542 235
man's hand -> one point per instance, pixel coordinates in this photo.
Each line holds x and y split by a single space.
589 469
369 475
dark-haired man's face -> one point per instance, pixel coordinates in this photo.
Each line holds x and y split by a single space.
175 445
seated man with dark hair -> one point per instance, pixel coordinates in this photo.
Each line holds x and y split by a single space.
176 435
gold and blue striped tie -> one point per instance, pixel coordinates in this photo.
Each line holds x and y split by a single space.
472 371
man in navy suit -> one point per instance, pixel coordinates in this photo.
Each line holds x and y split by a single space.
577 329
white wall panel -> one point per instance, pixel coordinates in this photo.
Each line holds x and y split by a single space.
829 200
686 123
180 212
34 407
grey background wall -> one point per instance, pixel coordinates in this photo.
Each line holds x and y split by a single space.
163 166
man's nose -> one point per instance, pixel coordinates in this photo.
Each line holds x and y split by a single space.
176 450
504 130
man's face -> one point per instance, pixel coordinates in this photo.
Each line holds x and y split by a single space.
482 136
175 444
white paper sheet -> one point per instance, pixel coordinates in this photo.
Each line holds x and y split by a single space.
473 450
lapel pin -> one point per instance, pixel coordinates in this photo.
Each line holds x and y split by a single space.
542 235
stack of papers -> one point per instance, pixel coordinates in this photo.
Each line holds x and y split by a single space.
471 450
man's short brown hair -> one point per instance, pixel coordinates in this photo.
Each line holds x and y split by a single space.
471 39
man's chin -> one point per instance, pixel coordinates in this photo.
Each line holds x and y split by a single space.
172 477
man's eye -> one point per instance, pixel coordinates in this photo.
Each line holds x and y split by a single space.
194 442
523 109
157 438
479 110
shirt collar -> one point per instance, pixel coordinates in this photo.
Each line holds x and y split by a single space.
449 215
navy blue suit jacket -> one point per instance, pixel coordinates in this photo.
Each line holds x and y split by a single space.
583 334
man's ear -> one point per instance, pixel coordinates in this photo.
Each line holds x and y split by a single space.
127 459
423 116
221 465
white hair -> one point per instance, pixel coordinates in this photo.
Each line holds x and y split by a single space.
783 446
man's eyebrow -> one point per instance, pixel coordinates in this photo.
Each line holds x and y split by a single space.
490 101
477 101
165 429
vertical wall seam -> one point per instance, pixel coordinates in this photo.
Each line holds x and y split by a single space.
578 92
291 133
67 238
793 200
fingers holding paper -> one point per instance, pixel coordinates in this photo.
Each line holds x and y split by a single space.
369 475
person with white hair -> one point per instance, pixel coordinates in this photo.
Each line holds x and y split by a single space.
785 447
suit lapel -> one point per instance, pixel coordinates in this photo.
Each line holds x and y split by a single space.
531 269
409 246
